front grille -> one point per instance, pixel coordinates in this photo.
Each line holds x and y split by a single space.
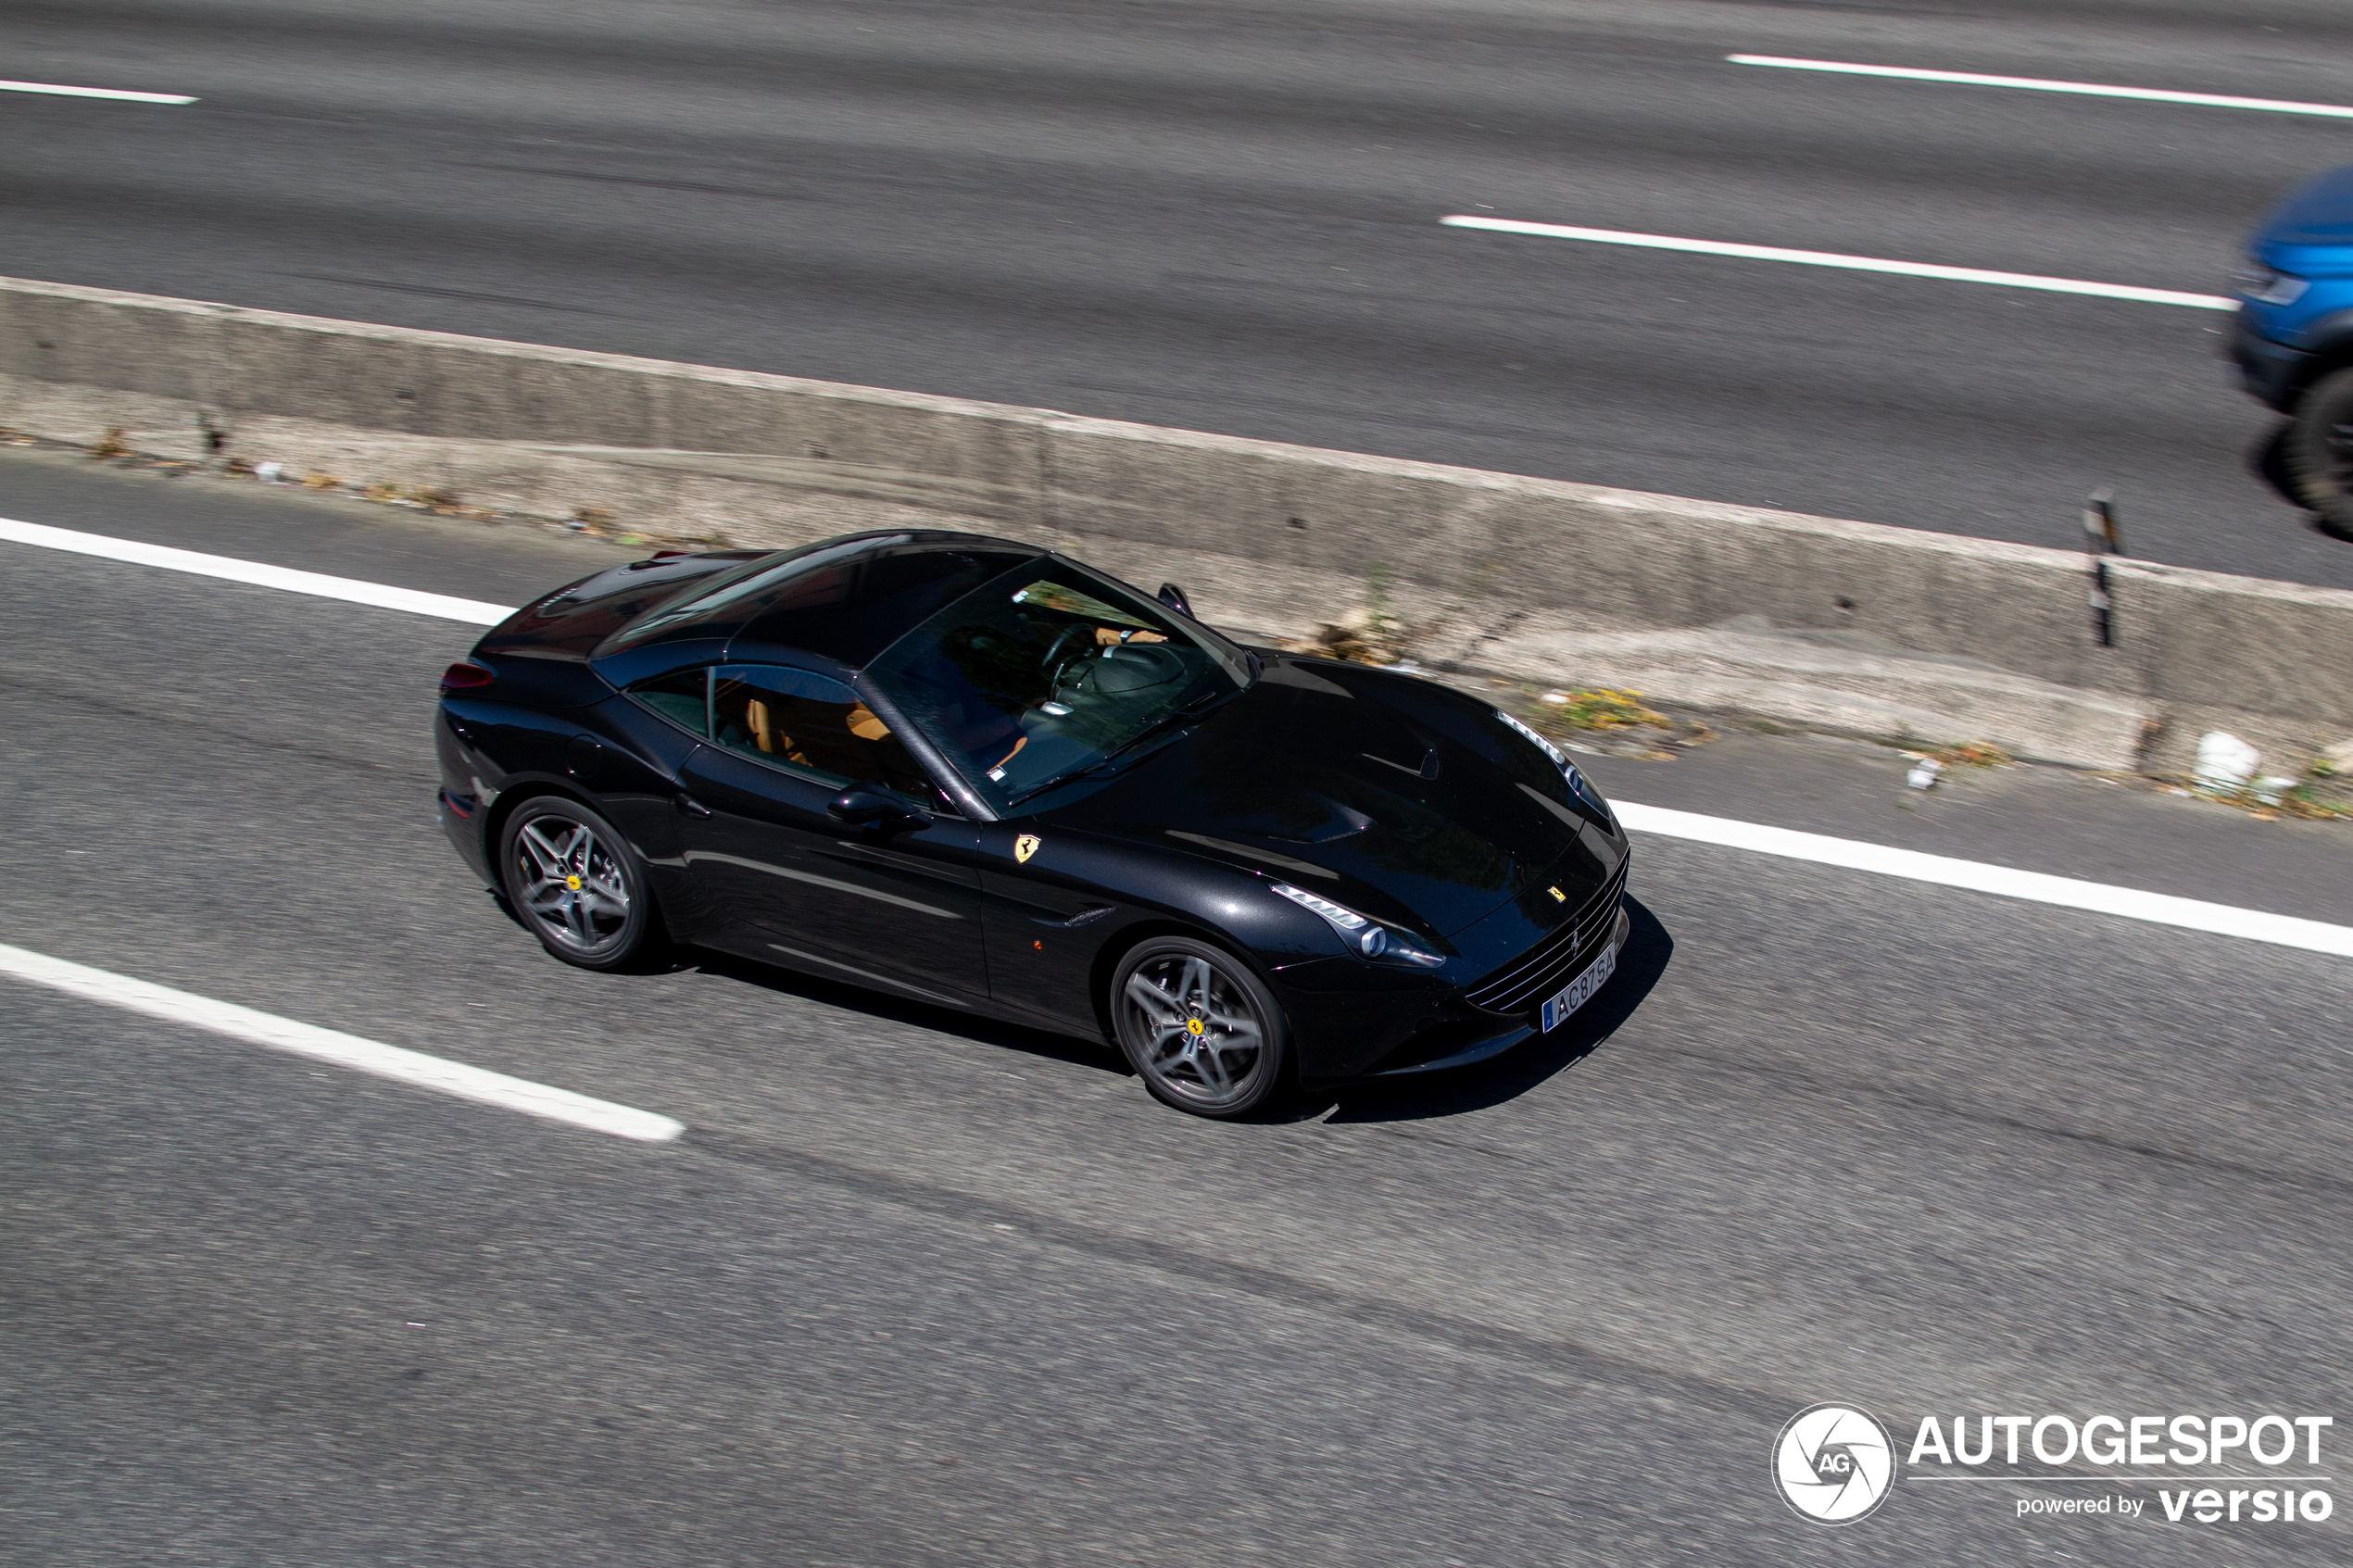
1544 970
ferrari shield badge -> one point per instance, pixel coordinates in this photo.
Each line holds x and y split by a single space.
1558 896
1025 847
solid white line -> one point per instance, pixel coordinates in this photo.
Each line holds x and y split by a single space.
2287 931
60 92
350 590
1852 263
343 1051
2039 84
2159 908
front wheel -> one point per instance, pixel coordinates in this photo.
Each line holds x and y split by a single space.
575 883
2318 451
1200 1028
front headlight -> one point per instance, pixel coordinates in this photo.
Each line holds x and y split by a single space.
1363 933
1578 785
2268 286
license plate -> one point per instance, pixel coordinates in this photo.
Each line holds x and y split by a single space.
1581 990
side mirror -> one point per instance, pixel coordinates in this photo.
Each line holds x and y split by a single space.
1174 597
865 806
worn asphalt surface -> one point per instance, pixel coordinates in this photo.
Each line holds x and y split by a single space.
918 1290
1224 216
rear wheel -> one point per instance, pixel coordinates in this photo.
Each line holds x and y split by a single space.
2318 451
575 883
1200 1028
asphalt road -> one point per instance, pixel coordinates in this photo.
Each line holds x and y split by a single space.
1225 216
915 1289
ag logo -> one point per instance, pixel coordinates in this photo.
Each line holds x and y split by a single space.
1025 847
1834 1463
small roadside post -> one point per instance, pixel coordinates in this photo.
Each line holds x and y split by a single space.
2102 538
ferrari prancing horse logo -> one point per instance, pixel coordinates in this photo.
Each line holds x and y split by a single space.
1025 847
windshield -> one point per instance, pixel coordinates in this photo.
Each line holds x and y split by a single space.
1048 670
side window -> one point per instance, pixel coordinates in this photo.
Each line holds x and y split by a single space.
812 726
682 697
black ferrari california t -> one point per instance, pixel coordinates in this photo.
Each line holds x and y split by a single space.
983 775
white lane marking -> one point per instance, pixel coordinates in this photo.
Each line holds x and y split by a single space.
2162 908
1851 263
2039 84
351 590
2158 909
342 1050
59 90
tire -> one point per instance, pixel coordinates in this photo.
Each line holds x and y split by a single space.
575 884
1200 1028
2318 451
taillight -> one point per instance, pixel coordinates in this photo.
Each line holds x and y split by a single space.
461 676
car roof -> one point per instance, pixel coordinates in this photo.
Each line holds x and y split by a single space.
853 606
840 601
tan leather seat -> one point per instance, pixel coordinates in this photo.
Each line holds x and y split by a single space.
769 738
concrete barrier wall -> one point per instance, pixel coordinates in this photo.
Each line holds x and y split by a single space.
1624 557
771 459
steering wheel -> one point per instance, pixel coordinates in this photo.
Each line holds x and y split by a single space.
1133 667
1056 661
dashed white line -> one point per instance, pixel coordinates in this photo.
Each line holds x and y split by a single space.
58 90
331 1045
349 589
2039 84
1851 263
2156 909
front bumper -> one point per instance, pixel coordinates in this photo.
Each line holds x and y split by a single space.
1497 1043
1351 1020
1354 1020
2271 373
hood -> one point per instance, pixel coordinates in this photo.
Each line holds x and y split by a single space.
2311 234
1396 796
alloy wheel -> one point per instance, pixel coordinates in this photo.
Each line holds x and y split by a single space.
1195 1030
570 885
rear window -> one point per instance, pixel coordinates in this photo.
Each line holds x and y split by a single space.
683 697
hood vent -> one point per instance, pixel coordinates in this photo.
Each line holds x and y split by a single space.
1339 821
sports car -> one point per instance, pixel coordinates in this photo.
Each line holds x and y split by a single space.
983 775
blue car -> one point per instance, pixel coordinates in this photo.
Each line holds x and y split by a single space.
2294 342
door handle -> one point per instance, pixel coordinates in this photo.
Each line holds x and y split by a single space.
692 806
